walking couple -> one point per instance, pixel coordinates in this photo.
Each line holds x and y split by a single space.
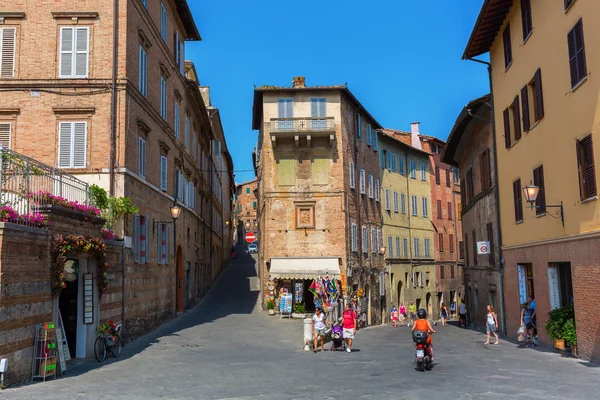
348 324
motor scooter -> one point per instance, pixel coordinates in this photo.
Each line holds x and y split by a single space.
422 351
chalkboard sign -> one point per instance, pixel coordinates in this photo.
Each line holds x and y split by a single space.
60 345
88 299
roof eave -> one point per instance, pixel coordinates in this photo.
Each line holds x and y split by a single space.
187 19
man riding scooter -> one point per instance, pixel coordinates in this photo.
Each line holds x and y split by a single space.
422 324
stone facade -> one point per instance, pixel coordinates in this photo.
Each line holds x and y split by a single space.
245 209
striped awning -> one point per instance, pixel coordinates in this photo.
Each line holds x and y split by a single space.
304 268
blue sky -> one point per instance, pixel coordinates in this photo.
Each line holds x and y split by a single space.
401 59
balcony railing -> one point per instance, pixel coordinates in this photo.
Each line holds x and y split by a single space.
303 125
26 184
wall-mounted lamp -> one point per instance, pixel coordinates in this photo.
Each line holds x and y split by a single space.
531 193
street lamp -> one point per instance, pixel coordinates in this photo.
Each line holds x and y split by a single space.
382 250
531 193
247 225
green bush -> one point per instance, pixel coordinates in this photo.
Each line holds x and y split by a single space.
557 322
270 305
299 308
570 332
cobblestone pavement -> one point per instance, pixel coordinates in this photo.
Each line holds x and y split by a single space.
228 349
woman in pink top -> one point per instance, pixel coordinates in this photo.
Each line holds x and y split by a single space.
402 313
349 326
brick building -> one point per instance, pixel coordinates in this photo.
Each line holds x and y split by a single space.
470 149
245 208
317 157
546 139
149 136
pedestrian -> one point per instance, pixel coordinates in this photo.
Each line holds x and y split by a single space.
318 325
462 313
394 315
402 311
349 326
532 307
526 321
444 314
412 313
491 325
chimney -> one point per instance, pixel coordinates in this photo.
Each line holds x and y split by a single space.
298 82
414 135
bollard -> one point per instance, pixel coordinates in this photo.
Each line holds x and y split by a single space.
308 336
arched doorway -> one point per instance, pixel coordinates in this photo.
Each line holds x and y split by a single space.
180 281
400 294
428 305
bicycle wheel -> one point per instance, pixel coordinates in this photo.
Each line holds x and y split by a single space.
116 347
100 349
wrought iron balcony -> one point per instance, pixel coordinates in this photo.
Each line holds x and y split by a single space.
307 127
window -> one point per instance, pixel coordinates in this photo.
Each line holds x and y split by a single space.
403 203
538 97
387 199
470 186
425 207
485 168
390 247
507 47
371 186
354 238
405 247
377 190
423 172
396 202
461 250
163 98
451 243
163 22
393 161
439 209
365 240
369 137
401 165
318 109
440 241
72 144
187 133
449 211
442 272
141 250
417 250
413 169
397 247
427 245
359 124
8 42
490 236
474 248
254 205
352 178
142 157
384 159
5 134
568 3
587 171
437 175
373 241
448 178
74 52
507 138
518 200
455 174
415 204
163 173
538 180
459 211
176 121
163 243
577 61
375 140
452 271
285 113
526 18
362 181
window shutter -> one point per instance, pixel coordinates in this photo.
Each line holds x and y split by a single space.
577 60
439 209
359 122
65 144
352 176
167 245
403 203
525 105
146 240
5 134
517 200
182 56
506 128
81 52
448 178
79 144
163 172
375 140
143 71
590 172
377 190
314 108
66 52
289 109
449 210
7 52
538 180
136 238
163 22
371 189
517 118
425 208
507 46
539 98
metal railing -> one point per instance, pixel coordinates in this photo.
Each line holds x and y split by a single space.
27 184
304 125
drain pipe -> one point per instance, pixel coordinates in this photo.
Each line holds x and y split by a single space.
496 197
113 100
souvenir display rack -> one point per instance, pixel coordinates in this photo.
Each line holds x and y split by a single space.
44 352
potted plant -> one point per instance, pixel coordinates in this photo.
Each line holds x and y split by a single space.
299 311
555 327
271 307
570 335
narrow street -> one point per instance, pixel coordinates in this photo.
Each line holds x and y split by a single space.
227 348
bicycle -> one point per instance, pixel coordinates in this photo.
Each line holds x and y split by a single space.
108 340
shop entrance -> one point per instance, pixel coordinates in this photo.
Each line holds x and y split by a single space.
307 297
67 304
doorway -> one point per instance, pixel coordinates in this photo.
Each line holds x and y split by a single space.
180 288
400 294
67 304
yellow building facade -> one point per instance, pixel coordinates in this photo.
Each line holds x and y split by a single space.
544 56
407 228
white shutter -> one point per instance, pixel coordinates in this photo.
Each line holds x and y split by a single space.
362 181
66 52
387 199
5 134
163 172
371 186
79 144
136 238
7 52
377 190
373 241
82 52
65 144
